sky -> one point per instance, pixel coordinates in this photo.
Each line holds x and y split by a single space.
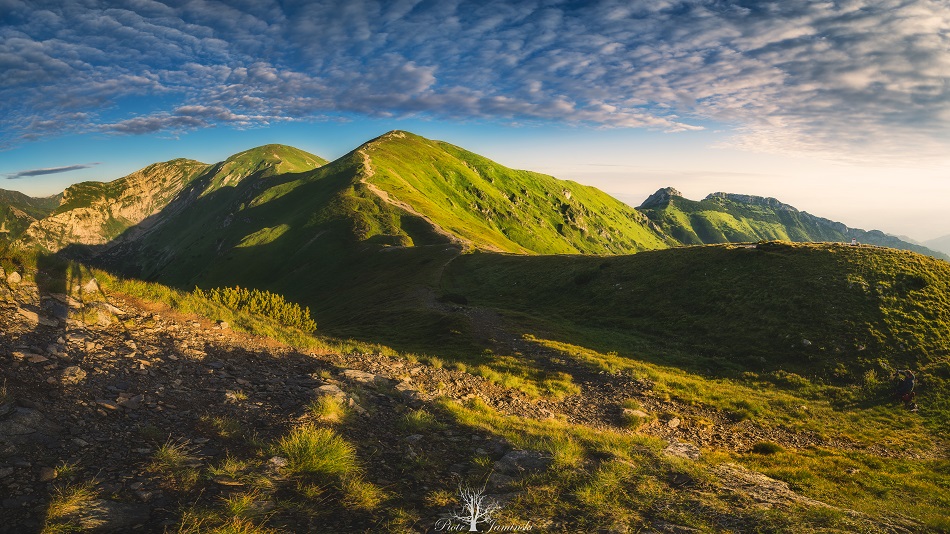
839 108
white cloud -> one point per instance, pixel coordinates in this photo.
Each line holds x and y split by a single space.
852 77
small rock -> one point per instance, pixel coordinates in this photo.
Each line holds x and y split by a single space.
681 449
107 405
277 461
223 325
37 358
363 377
91 286
407 391
518 462
14 278
145 495
674 422
331 390
498 480
132 403
47 474
72 375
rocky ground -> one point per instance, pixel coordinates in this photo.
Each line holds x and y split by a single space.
93 387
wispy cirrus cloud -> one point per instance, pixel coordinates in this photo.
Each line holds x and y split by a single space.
858 77
49 170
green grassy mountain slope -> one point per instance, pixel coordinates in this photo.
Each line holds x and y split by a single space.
492 207
18 211
831 314
732 218
361 239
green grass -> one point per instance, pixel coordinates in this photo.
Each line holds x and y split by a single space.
66 502
175 462
810 319
419 420
319 452
494 207
328 409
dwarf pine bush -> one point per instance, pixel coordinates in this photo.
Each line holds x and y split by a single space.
263 303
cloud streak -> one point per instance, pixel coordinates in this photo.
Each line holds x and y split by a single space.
50 170
858 77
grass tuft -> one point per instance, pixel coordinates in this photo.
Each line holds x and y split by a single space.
317 452
329 409
66 502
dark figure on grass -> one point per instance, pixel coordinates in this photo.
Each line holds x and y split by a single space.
905 388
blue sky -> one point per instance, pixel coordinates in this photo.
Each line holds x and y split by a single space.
840 108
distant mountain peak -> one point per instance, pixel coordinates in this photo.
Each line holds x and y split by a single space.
660 198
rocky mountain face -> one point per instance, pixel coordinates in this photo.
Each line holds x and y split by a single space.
18 212
95 213
734 218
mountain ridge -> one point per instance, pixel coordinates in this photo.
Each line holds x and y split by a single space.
730 218
466 198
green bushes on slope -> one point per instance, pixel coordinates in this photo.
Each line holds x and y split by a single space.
263 303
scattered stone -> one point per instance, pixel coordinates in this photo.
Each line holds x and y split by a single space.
14 278
37 358
109 516
72 375
331 390
109 308
67 300
131 403
519 462
107 405
91 286
364 377
406 390
31 316
223 325
682 449
47 474
673 423
278 461
498 480
759 487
